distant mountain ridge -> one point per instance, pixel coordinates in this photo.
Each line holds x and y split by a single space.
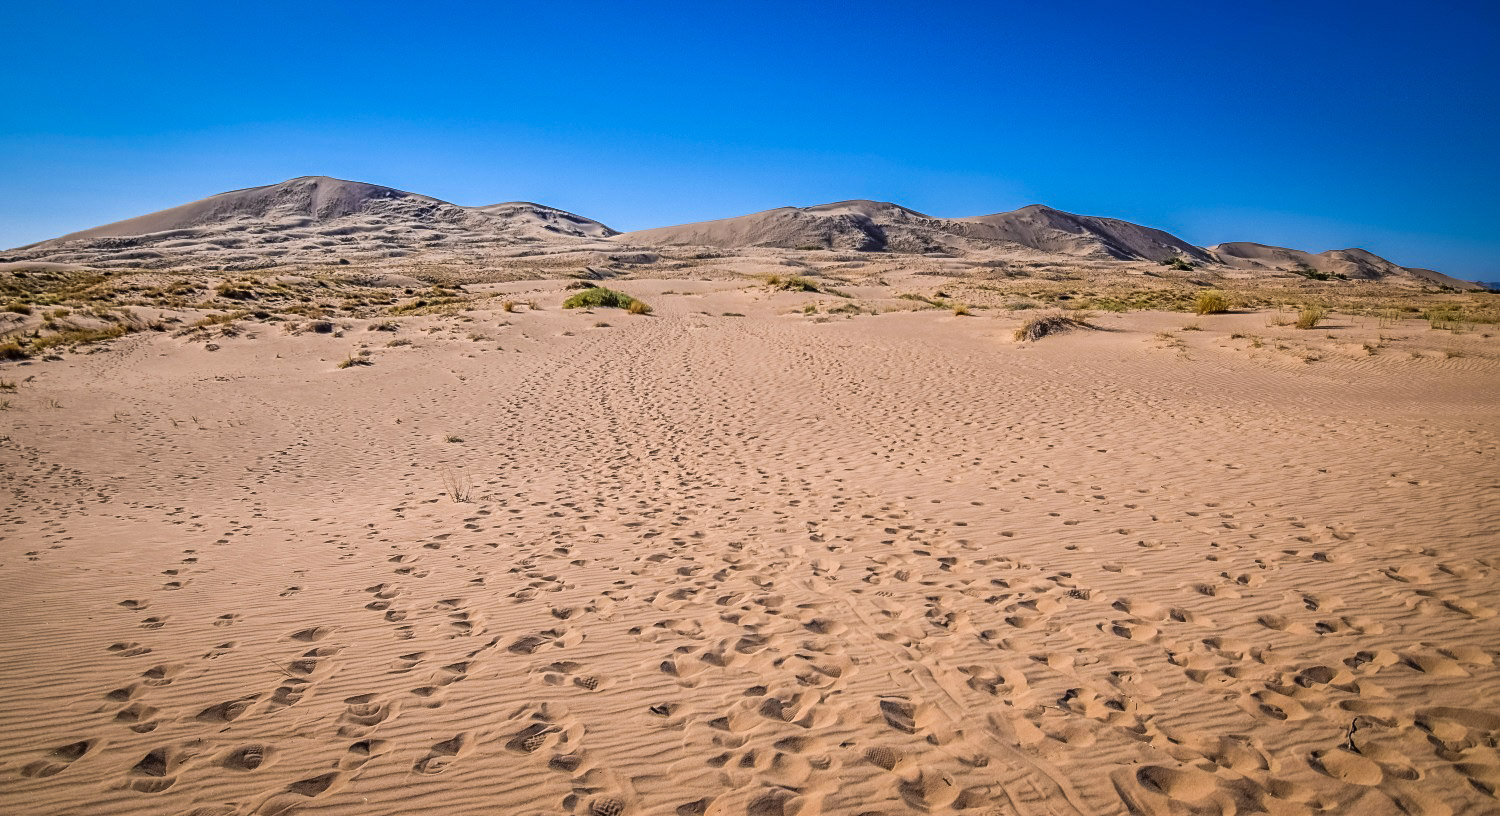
318 219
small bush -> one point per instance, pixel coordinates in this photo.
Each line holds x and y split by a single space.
13 351
18 308
1311 316
960 310
353 360
638 307
596 297
1211 302
1179 263
458 486
508 305
1039 326
792 283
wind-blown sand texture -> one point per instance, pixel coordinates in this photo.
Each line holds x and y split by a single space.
761 564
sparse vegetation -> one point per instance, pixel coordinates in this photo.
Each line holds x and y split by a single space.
13 351
596 297
1210 302
1179 263
458 486
453 438
1039 326
1311 316
960 310
792 283
360 359
507 305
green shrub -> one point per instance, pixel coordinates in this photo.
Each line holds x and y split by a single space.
597 297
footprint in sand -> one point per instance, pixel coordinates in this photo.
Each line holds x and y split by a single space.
59 759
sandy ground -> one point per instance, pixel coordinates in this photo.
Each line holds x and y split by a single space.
770 564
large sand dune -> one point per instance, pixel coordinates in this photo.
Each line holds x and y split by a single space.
737 559
319 221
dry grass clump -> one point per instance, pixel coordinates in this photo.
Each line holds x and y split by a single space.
1311 316
508 305
360 359
78 337
458 486
1211 302
638 307
1039 326
13 351
792 283
961 310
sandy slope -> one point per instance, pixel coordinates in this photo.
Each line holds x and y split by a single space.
762 564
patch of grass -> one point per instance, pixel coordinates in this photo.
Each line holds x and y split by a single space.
960 310
1179 263
216 320
731 314
1210 302
809 308
1311 316
1453 354
78 337
7 385
792 283
597 297
399 341
18 308
507 305
638 307
13 351
360 359
385 326
1192 327
452 438
1039 326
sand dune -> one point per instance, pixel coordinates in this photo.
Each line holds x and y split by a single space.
1355 264
740 557
319 221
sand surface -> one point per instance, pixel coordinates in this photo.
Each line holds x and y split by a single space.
761 564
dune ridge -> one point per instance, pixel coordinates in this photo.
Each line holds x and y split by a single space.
321 220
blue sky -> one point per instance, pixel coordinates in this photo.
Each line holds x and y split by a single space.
1312 125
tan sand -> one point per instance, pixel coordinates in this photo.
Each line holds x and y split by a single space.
761 564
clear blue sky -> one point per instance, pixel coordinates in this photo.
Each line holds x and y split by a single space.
1312 125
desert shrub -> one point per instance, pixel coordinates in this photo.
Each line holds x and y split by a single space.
1179 263
361 359
792 283
596 297
13 351
1039 326
508 305
1211 302
960 310
18 308
638 307
1311 316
